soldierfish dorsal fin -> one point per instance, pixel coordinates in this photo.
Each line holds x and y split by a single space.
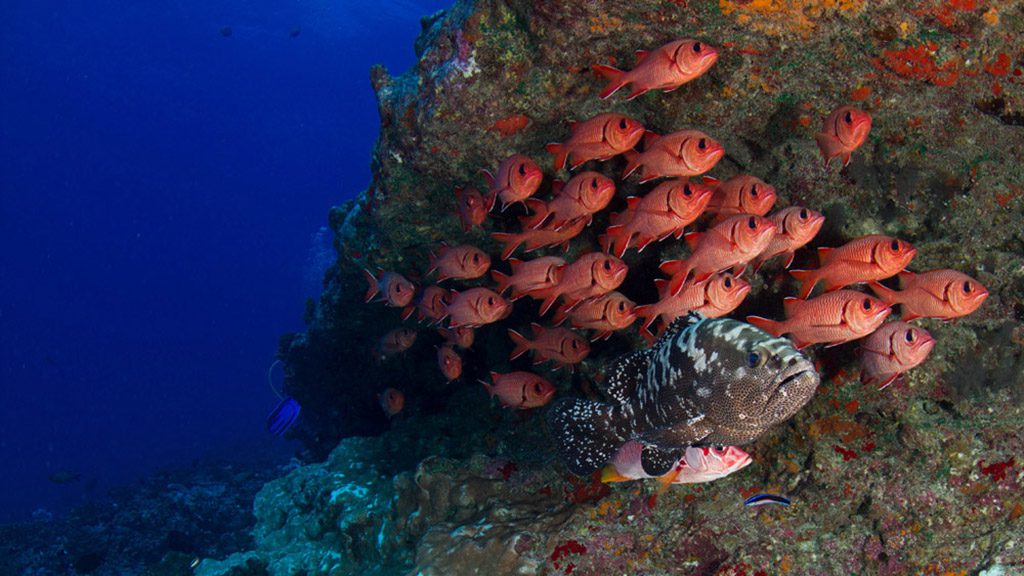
641 54
625 376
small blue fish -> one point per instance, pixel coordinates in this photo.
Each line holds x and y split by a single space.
762 499
282 418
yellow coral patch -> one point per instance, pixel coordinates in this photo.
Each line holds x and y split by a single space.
782 17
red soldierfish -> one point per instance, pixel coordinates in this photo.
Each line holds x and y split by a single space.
665 211
892 350
590 275
560 345
471 207
730 244
518 178
396 341
833 318
665 68
461 337
741 194
520 390
862 260
535 239
599 138
391 288
714 297
462 262
605 315
450 362
581 197
431 306
703 464
794 227
391 401
684 153
476 307
942 294
529 276
842 132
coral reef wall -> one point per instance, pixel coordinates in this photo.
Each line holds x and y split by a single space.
921 477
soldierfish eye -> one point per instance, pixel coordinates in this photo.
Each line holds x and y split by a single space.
895 245
728 282
686 190
607 264
967 286
752 223
490 300
848 117
622 306
867 304
537 387
522 169
697 47
593 183
753 190
909 336
574 344
803 214
702 144
622 123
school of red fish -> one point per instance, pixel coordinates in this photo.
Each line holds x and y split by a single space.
741 233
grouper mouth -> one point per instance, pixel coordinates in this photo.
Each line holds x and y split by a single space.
795 385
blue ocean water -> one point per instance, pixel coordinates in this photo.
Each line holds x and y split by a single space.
165 175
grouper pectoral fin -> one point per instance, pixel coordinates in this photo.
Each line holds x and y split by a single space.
628 371
667 444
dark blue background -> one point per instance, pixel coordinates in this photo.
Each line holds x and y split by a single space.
159 188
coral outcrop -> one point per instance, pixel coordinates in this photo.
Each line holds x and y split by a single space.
923 477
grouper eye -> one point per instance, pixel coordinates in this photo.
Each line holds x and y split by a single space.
753 359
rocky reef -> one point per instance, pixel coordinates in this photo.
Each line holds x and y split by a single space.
922 477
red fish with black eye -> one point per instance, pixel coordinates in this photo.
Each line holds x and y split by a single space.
391 288
461 337
665 211
665 68
741 194
559 345
471 207
942 294
396 341
536 239
683 153
591 275
476 307
842 132
520 390
431 306
891 351
833 318
449 361
517 179
604 315
794 228
529 276
861 260
712 298
391 401
599 138
579 199
462 262
730 244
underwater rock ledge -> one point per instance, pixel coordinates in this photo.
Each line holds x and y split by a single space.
919 478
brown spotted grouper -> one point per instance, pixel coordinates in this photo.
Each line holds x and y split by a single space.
705 382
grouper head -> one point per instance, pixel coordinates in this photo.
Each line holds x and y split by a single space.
746 379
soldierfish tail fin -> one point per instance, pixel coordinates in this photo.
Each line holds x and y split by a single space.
407 311
560 152
511 242
374 287
503 280
773 327
522 344
807 280
615 77
432 262
887 295
586 433
632 163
